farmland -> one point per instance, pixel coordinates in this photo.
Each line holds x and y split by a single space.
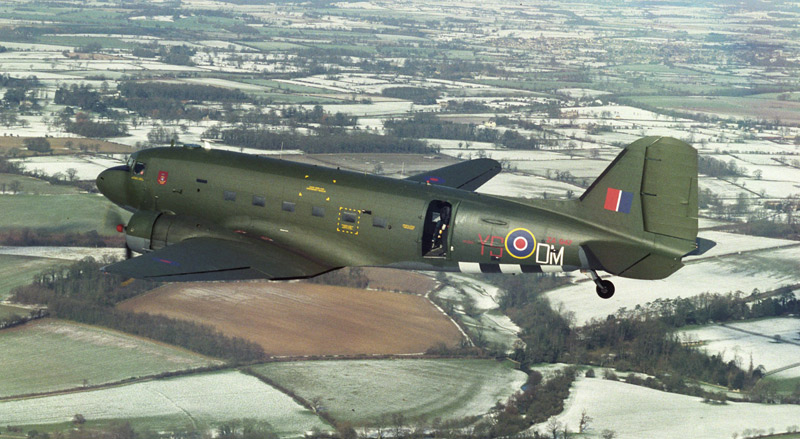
77 213
16 271
200 401
50 355
306 319
35 186
368 392
7 312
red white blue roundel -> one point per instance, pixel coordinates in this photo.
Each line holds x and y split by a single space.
520 243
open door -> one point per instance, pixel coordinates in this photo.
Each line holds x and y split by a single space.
436 229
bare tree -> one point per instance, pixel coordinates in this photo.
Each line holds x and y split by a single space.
15 186
553 426
584 421
72 173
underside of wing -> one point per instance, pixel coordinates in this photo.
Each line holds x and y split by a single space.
469 175
213 259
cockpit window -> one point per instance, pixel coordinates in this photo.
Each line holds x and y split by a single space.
130 162
138 168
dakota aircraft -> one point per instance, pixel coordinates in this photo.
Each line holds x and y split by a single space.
211 215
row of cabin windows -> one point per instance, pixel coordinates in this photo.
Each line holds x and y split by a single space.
288 206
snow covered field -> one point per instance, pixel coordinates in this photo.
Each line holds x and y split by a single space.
758 340
208 398
527 186
766 269
361 391
639 412
87 167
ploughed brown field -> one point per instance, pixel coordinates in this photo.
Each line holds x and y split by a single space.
295 318
390 279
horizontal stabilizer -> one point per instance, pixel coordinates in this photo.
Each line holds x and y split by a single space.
468 176
703 245
210 259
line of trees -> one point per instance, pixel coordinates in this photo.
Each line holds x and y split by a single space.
81 292
181 92
427 125
718 168
85 126
419 96
327 141
535 404
31 237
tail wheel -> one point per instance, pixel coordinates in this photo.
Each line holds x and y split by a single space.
605 289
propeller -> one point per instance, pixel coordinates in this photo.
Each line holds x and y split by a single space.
114 220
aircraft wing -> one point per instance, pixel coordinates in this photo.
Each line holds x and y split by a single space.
469 175
210 259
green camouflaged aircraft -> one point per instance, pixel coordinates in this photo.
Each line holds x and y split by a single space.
207 215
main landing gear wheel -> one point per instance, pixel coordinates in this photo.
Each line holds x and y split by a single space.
605 289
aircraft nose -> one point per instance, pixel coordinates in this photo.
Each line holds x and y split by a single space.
112 182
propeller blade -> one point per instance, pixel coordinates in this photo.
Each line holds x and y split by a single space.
113 218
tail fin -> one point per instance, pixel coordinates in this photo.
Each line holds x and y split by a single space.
650 188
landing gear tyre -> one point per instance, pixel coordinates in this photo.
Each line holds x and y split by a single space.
605 289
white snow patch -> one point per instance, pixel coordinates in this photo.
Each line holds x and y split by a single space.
66 253
772 343
637 412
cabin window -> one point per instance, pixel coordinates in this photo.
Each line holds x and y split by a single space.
138 168
259 201
379 222
318 211
287 206
229 195
349 217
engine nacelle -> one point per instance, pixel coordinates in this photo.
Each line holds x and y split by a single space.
148 230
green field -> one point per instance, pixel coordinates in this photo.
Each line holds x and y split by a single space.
16 271
78 41
756 107
61 213
7 311
35 186
369 392
283 98
272 45
49 355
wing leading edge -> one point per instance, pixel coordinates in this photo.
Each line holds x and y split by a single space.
212 259
469 175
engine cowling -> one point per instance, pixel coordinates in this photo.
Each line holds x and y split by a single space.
147 230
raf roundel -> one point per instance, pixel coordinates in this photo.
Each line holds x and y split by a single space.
520 243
